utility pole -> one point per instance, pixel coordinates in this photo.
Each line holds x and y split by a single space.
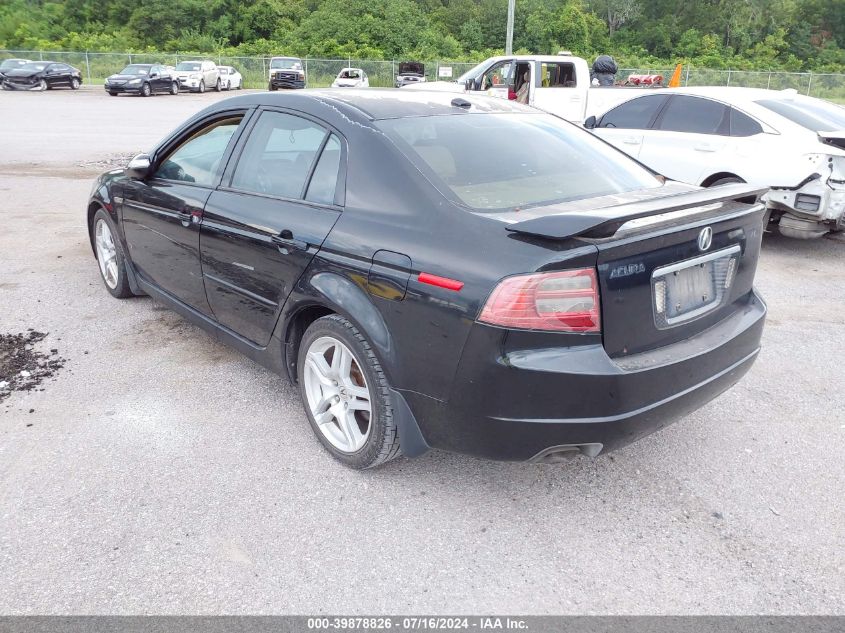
509 41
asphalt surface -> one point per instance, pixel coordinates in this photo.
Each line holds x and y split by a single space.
161 472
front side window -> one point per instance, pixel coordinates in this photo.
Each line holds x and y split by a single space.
636 114
498 76
506 161
695 116
197 158
277 157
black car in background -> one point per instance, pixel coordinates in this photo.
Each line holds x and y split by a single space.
43 76
10 64
409 73
428 281
142 79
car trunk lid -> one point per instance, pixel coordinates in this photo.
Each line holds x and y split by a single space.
669 267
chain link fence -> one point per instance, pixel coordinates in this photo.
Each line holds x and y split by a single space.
95 67
321 72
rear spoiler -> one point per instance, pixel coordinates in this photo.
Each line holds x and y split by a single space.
606 221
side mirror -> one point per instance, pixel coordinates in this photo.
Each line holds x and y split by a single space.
153 75
591 122
138 168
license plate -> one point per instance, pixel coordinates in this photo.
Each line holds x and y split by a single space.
692 288
689 289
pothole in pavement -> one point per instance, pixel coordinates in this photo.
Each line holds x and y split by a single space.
22 367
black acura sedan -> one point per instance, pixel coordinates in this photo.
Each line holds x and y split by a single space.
437 271
42 76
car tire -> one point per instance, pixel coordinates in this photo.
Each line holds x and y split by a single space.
42 85
113 94
110 259
201 89
271 87
74 84
146 91
218 86
174 88
336 366
727 180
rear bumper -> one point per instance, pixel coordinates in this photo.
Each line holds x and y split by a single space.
510 404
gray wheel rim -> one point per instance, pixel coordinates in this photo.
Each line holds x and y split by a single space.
106 253
42 85
337 394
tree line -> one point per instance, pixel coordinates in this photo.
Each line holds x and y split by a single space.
740 34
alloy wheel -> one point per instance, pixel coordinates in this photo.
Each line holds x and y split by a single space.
106 253
42 85
337 394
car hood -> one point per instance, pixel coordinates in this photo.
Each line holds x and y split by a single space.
19 72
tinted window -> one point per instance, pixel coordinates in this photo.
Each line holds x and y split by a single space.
502 161
813 114
197 159
277 158
694 115
557 75
635 114
324 181
744 125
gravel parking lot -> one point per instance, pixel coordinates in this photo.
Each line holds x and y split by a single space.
159 472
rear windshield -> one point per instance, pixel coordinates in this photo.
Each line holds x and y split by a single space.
506 161
286 64
813 114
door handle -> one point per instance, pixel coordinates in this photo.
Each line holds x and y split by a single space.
189 217
285 240
631 140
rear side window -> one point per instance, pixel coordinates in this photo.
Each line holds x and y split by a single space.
197 158
744 125
694 115
635 114
324 181
278 155
557 75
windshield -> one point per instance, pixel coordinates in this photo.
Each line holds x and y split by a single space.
349 73
472 73
286 64
814 114
504 161
188 66
34 66
223 70
135 69
11 63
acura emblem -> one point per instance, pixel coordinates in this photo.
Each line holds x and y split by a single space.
705 238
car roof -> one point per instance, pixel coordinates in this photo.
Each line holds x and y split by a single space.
285 57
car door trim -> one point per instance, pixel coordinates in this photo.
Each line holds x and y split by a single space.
269 303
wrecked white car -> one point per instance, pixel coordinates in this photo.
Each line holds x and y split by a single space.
707 136
351 78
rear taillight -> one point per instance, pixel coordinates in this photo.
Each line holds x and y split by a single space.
564 301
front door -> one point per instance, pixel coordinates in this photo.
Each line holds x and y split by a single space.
162 214
261 228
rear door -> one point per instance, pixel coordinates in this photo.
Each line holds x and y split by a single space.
689 139
280 197
556 90
58 75
624 126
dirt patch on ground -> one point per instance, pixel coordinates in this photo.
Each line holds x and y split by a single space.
22 367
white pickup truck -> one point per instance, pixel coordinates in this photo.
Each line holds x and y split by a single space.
559 84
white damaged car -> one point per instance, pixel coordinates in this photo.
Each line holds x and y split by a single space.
707 136
351 78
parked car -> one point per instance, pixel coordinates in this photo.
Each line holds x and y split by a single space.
42 76
198 76
324 234
142 79
711 136
286 72
230 78
351 78
9 64
410 73
560 84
